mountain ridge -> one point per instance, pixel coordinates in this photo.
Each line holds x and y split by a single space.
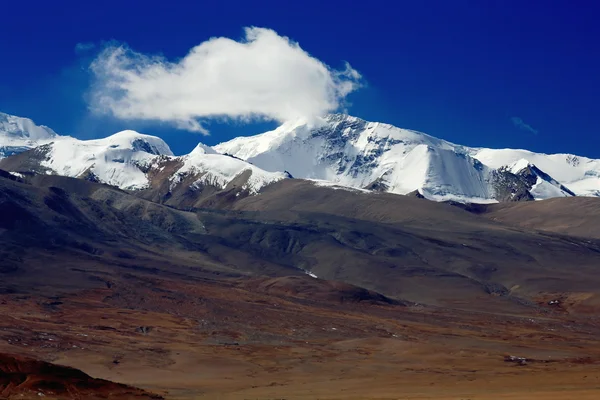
134 161
341 149
354 152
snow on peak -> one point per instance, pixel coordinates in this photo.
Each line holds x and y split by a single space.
209 167
115 160
21 134
23 128
219 170
203 149
126 159
134 141
518 166
580 174
344 150
349 151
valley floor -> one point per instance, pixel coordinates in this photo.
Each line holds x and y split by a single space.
228 339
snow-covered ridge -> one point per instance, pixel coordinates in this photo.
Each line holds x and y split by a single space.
352 152
125 159
114 160
338 151
18 128
128 159
580 174
21 134
214 169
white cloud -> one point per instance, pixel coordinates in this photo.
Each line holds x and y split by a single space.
519 123
264 76
83 47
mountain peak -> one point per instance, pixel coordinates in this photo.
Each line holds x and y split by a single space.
350 151
339 117
118 160
23 128
19 134
135 141
201 148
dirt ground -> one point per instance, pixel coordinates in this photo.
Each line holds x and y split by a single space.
231 340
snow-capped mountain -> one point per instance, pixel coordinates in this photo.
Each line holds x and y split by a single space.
581 175
20 134
340 150
352 152
131 161
211 168
115 160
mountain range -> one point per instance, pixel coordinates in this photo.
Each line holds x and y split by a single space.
339 150
221 274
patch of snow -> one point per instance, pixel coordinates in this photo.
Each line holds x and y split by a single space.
203 149
545 190
23 128
310 274
335 186
519 166
457 198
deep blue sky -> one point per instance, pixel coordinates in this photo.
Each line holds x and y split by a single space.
456 69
